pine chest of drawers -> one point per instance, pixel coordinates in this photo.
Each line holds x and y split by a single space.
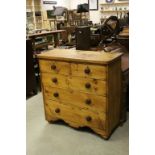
82 88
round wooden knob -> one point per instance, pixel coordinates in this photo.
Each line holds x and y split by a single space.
87 85
55 80
87 71
88 101
53 67
56 94
57 110
88 118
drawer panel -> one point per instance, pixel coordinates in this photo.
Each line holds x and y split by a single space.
55 67
92 86
90 71
82 100
54 80
79 116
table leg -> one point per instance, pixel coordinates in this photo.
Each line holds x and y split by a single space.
33 44
56 40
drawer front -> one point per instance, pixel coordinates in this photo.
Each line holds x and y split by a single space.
54 80
90 71
55 67
72 114
82 100
91 86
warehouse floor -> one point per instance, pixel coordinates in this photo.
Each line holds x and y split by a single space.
60 139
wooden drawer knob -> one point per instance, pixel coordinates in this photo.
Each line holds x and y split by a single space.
88 101
54 80
53 67
56 94
88 85
88 118
87 71
57 110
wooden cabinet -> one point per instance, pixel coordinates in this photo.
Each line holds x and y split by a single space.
83 88
75 18
34 14
31 86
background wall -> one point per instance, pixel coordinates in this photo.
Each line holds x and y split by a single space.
72 4
94 15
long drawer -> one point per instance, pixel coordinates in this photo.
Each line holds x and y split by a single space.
89 71
72 114
75 98
92 86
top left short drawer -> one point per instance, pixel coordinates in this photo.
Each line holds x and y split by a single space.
55 67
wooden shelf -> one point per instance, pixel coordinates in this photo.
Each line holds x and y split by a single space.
123 3
34 6
28 17
109 11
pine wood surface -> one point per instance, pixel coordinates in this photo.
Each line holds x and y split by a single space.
76 115
75 83
78 99
114 94
65 92
93 57
62 68
95 71
74 69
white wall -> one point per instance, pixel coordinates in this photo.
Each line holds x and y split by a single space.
94 15
72 4
64 3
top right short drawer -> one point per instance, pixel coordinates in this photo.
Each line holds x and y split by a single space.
89 71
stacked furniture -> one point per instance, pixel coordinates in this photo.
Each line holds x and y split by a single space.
30 71
83 88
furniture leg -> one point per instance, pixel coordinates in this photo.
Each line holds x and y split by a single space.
56 41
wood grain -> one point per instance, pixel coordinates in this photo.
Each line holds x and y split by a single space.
97 87
114 94
81 98
75 83
88 71
62 68
74 98
76 115
70 55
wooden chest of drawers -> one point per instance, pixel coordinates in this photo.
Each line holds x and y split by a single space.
83 88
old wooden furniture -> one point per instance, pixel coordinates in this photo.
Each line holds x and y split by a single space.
31 86
45 34
125 86
83 88
123 37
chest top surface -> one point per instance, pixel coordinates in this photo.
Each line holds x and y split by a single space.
70 55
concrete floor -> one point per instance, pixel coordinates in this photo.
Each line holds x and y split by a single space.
60 139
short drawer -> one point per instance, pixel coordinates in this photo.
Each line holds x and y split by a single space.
82 100
92 86
72 114
54 80
90 71
55 67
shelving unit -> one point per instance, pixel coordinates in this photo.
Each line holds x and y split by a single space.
117 9
34 14
118 3
75 18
